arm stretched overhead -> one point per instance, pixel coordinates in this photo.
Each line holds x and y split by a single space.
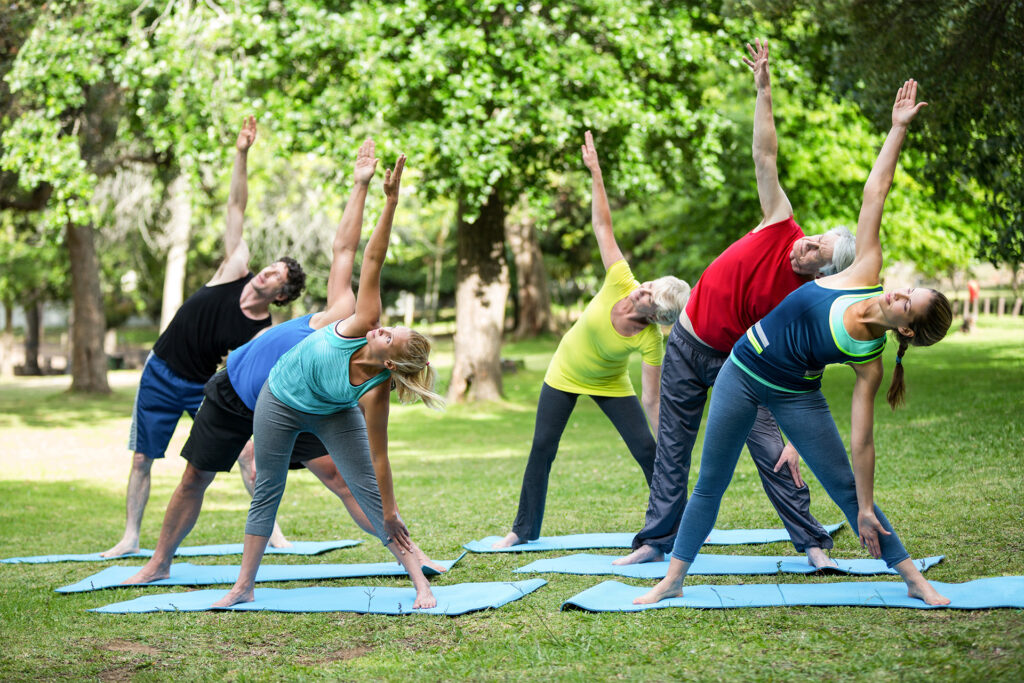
341 301
775 205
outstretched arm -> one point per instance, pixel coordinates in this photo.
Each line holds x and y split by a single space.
650 393
862 448
867 263
775 204
601 212
236 251
368 305
375 405
341 301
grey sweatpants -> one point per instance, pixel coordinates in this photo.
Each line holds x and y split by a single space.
688 372
275 427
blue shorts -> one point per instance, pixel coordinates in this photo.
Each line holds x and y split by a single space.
163 396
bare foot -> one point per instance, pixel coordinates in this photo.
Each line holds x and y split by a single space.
666 588
925 591
121 549
424 599
645 553
147 575
277 539
509 541
427 562
234 597
817 558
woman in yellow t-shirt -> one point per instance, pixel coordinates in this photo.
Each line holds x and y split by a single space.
592 359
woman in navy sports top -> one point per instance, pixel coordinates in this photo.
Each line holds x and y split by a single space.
841 318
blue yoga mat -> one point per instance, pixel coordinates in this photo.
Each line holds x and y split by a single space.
709 565
457 599
625 540
612 596
298 548
185 574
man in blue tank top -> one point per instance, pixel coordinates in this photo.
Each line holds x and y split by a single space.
224 314
224 422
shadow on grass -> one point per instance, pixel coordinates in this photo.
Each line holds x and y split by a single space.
51 407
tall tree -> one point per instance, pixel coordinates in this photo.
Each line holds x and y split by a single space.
489 99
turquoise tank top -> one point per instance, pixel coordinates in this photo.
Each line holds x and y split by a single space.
790 347
313 377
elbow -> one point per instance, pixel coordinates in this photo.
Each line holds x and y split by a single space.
765 155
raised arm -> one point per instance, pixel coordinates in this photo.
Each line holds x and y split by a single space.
601 212
236 251
341 301
368 305
775 204
862 448
375 405
867 264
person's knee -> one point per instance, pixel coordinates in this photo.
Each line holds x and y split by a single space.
141 463
195 480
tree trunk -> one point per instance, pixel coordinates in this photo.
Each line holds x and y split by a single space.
33 325
7 340
532 279
88 362
178 229
480 296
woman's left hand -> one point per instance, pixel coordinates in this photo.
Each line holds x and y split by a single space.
868 528
398 533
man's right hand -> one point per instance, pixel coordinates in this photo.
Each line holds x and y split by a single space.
366 164
758 62
247 135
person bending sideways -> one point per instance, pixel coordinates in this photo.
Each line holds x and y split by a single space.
592 360
224 422
336 385
739 288
841 318
223 314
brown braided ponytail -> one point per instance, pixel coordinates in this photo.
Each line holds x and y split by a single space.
930 327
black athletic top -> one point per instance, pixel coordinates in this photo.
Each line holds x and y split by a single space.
208 325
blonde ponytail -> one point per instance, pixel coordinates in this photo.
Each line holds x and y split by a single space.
413 376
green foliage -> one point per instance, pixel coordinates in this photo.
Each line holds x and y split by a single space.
967 55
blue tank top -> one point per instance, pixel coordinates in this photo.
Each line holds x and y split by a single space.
790 347
249 365
313 377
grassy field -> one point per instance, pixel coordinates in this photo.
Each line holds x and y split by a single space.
950 475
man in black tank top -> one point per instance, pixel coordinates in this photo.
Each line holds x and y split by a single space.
225 313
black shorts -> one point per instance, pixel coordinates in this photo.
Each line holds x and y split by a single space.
224 424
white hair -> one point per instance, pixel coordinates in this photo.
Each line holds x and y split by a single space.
669 295
843 251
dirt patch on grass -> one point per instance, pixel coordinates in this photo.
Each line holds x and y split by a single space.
121 645
342 655
123 673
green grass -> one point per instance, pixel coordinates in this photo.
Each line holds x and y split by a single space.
950 475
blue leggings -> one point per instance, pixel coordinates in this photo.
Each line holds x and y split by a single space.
805 419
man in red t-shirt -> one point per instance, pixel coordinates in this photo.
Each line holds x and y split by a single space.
739 288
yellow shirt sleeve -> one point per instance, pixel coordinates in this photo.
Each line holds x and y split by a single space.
592 357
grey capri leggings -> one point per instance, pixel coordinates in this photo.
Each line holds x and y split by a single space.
275 427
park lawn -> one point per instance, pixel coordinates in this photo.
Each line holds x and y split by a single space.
950 475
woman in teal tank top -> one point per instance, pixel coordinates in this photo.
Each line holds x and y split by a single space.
841 318
325 385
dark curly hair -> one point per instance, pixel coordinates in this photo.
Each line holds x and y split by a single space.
295 283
